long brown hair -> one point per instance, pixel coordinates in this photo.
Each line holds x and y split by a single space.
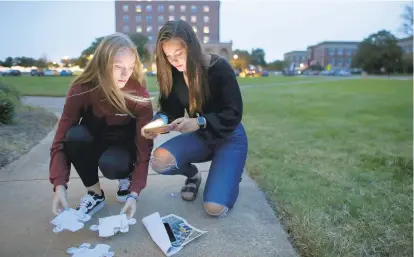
195 69
99 71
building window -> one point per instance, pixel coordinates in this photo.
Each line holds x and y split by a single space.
195 29
126 18
138 8
340 62
126 28
160 18
148 8
206 39
348 51
182 18
139 29
171 8
125 7
182 8
161 8
206 8
193 8
148 18
206 30
149 28
194 19
150 38
138 18
332 61
331 51
340 51
206 19
171 18
348 61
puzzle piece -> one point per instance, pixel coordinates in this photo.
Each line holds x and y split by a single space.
71 220
100 250
111 225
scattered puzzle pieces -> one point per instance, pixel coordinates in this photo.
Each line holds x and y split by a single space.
71 220
100 250
111 225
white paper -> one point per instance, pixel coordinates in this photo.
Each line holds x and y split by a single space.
111 225
100 250
182 230
71 220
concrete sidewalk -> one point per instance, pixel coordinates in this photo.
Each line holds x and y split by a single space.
251 229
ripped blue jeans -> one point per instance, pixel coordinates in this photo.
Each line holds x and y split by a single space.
228 158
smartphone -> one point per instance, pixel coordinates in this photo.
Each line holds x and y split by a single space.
160 130
169 232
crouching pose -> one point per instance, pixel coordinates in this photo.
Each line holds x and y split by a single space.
105 109
206 87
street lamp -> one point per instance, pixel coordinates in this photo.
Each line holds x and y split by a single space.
235 57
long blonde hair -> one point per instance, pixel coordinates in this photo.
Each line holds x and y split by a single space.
99 71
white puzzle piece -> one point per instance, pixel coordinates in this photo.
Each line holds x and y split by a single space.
111 225
100 250
71 220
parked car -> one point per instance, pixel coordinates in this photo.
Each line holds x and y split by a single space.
36 72
265 73
51 73
12 73
66 73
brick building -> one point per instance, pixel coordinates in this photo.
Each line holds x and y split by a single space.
336 53
296 57
147 17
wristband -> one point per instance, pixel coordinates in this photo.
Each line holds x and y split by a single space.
132 196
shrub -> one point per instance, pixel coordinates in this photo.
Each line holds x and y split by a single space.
10 91
9 99
7 108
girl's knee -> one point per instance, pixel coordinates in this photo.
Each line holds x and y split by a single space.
162 160
215 209
78 133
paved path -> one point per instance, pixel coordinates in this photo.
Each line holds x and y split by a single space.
251 229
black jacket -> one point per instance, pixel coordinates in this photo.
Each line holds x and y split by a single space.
223 109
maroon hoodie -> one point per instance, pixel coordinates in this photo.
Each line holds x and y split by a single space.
78 99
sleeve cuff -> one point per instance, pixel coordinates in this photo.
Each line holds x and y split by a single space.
162 116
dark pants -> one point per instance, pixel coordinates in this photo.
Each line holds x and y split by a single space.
91 144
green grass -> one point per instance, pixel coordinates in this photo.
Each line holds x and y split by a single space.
335 160
59 86
51 86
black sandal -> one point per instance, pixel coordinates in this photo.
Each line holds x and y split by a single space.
191 186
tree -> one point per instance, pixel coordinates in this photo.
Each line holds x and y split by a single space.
276 65
241 59
139 40
407 16
41 63
408 63
8 62
258 57
24 61
379 50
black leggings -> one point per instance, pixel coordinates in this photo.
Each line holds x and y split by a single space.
86 153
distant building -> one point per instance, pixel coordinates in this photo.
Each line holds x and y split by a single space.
296 57
147 17
338 54
407 45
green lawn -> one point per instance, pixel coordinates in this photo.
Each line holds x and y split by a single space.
335 160
58 86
